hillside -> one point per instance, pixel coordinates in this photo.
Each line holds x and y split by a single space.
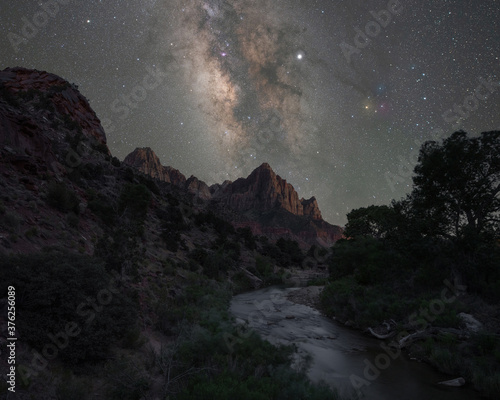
143 264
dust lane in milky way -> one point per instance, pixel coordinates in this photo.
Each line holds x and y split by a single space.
246 67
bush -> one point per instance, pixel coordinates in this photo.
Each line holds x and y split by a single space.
101 148
55 289
12 221
103 208
247 235
292 249
73 220
72 388
126 380
62 198
116 162
134 200
8 96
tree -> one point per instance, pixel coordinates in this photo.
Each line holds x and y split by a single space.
374 221
457 185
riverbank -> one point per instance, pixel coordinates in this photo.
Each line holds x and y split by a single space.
335 354
446 329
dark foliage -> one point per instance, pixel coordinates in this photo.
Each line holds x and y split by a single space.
62 198
55 289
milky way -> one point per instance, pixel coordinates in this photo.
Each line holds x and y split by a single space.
245 64
337 96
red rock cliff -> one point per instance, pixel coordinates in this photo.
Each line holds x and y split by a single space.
65 97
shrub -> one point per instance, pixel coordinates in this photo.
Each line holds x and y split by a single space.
57 288
247 235
103 208
12 221
8 96
72 388
101 148
31 232
127 381
72 220
62 198
171 238
292 249
135 200
116 162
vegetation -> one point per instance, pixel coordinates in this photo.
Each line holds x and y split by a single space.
62 198
55 289
399 257
285 252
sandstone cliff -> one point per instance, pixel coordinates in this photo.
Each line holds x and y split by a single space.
146 161
264 190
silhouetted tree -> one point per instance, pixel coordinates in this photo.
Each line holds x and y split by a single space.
374 221
457 185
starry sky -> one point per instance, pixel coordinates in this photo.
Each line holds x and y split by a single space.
335 95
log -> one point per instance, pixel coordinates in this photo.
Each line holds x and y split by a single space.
453 382
379 336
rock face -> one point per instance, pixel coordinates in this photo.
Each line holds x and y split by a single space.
263 190
199 188
265 202
272 207
43 116
49 135
63 96
146 161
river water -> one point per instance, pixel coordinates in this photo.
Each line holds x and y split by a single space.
344 358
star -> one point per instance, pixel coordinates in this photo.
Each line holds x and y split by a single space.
214 64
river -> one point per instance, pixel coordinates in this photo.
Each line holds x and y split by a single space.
342 357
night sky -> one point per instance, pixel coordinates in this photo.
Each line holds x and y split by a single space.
336 96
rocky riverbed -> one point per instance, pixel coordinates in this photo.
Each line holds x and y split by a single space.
308 296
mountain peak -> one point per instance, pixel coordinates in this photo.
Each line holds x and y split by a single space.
264 190
265 166
145 160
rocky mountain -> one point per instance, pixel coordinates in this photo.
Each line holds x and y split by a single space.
145 160
264 190
263 201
